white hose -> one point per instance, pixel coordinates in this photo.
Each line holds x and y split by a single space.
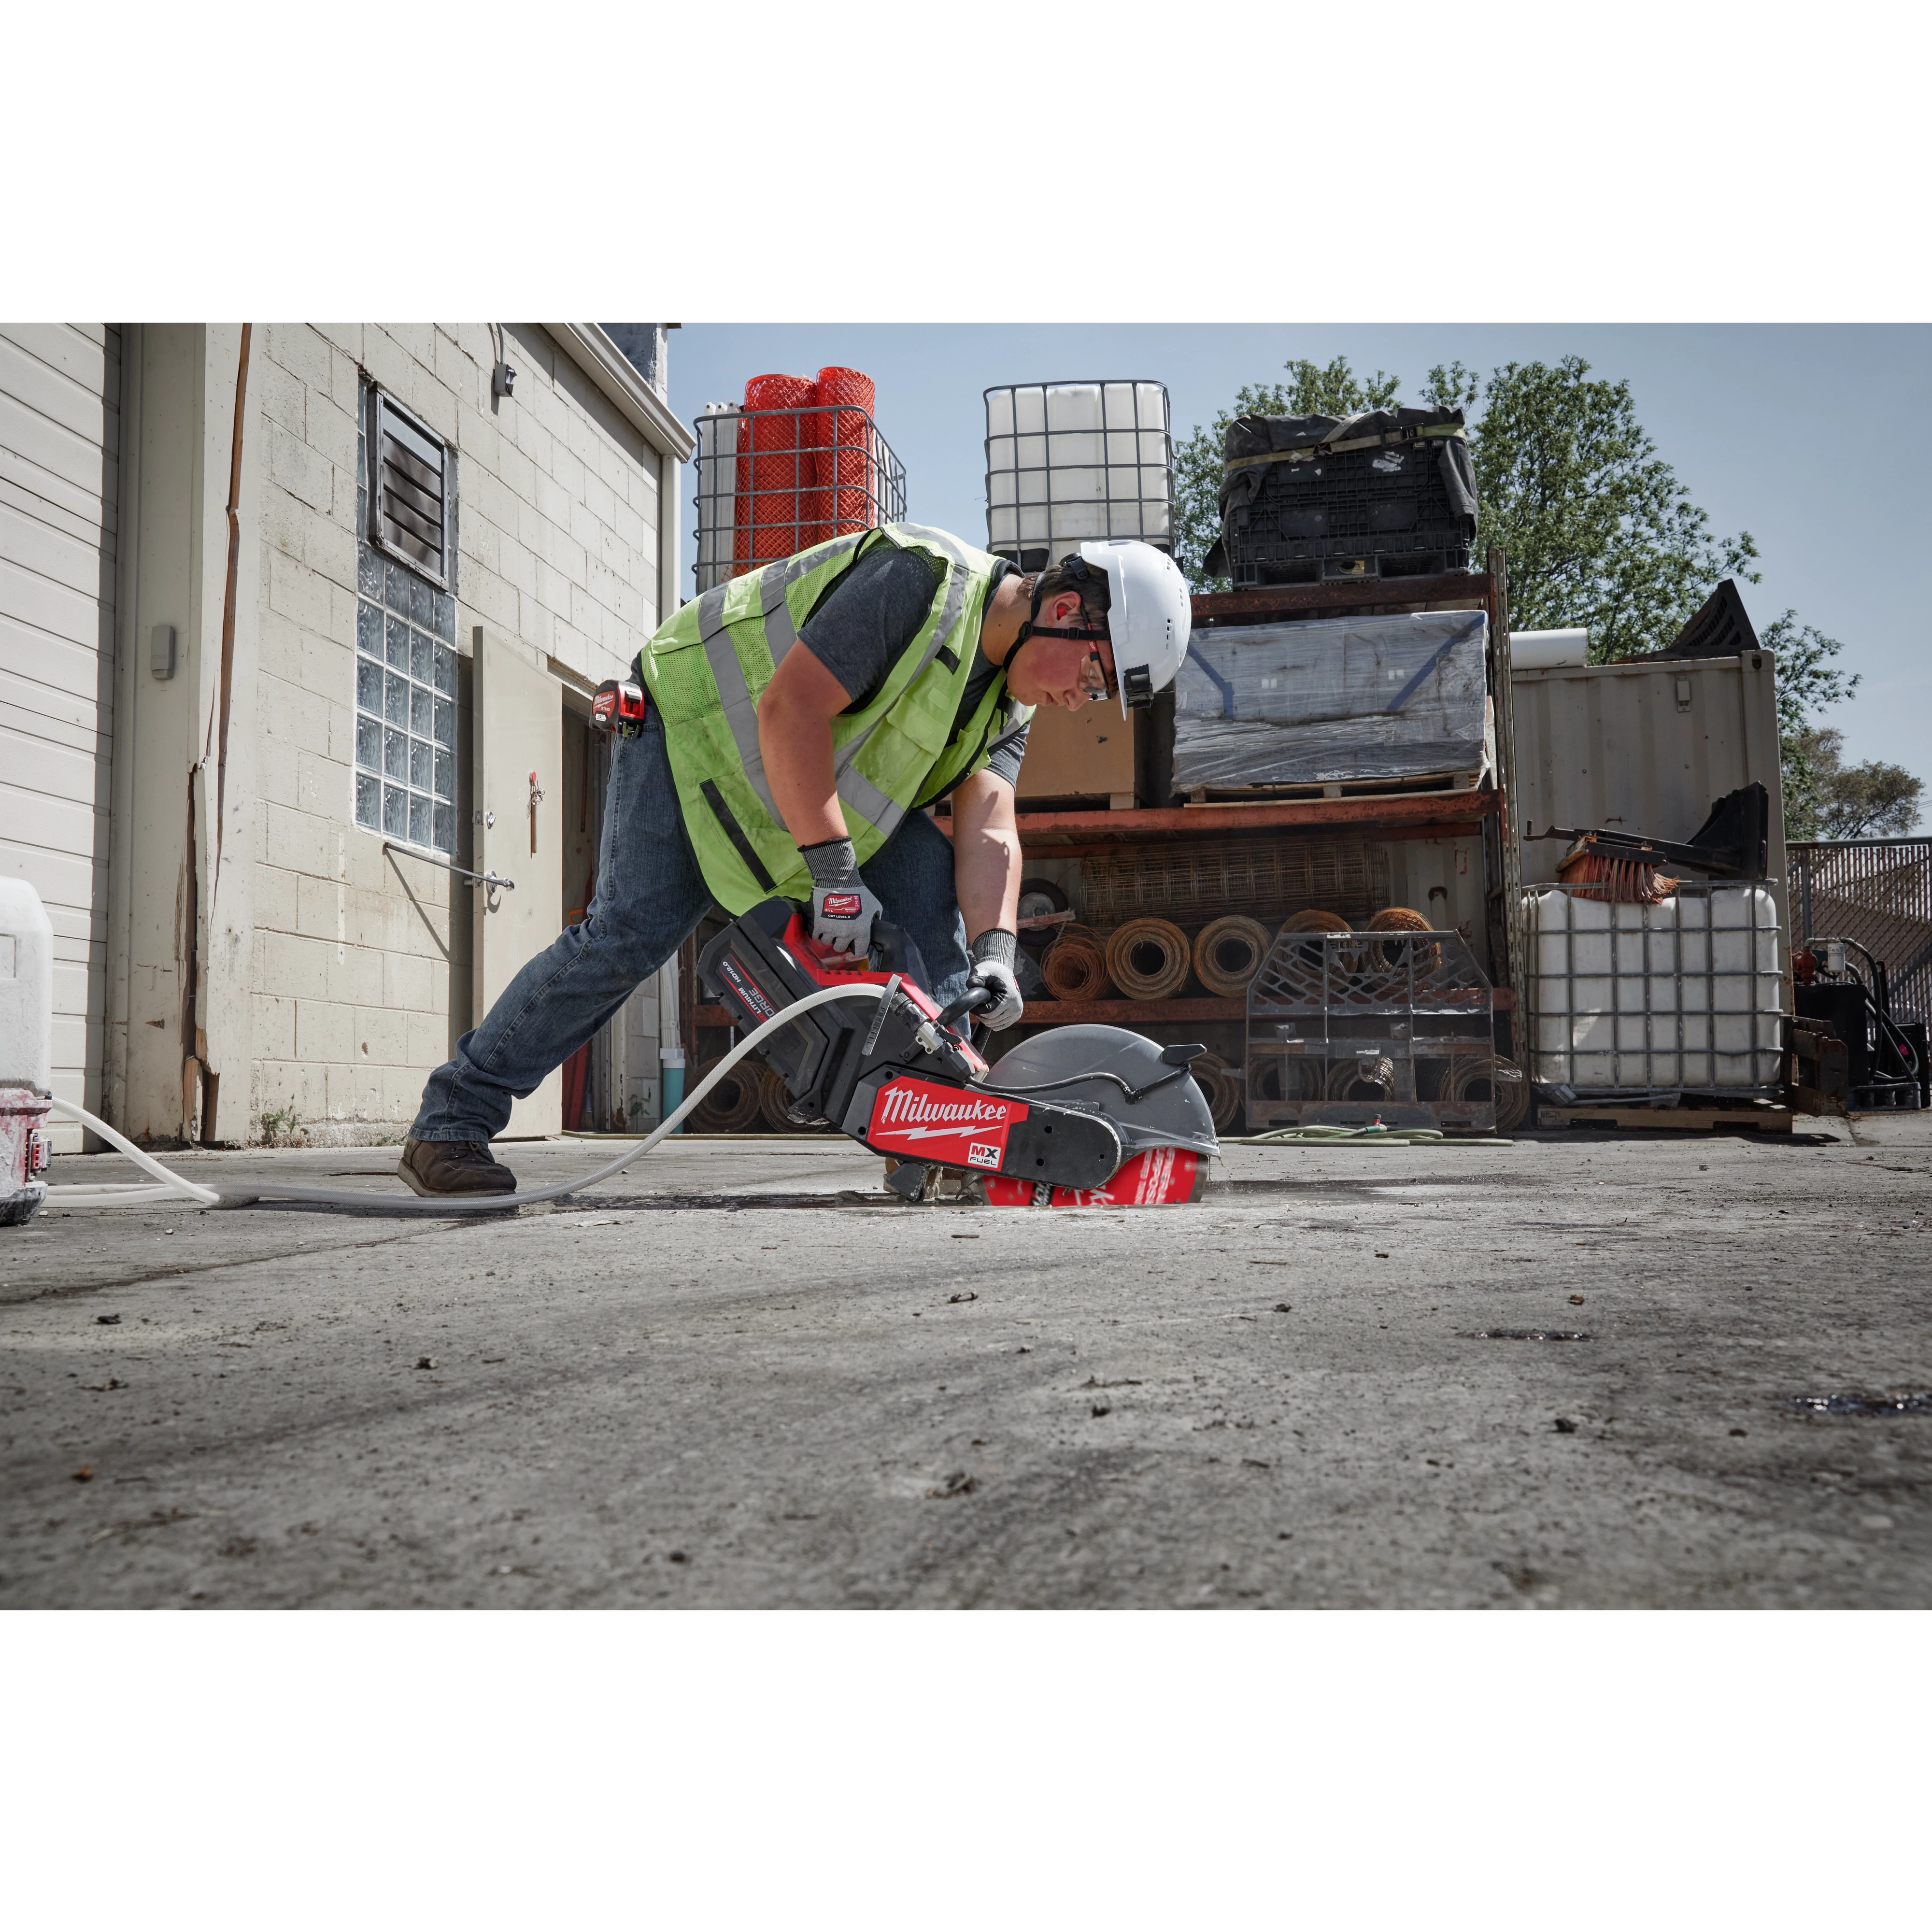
130 1194
124 1193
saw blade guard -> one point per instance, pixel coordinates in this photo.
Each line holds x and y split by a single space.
1143 1088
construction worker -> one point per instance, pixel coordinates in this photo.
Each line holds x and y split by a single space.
762 770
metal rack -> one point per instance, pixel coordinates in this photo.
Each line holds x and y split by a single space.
1344 1028
1388 816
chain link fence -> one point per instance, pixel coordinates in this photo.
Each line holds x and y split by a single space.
1878 891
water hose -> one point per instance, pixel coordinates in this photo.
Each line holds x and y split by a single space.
1363 1136
170 1186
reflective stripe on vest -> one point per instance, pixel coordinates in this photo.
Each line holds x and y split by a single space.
741 709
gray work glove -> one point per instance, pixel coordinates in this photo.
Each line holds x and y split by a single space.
993 956
843 907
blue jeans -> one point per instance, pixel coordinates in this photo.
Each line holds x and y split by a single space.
650 896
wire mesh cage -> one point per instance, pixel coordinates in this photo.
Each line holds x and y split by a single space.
1684 996
1069 462
772 482
1347 1028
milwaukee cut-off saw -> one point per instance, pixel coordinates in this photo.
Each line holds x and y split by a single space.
1080 1116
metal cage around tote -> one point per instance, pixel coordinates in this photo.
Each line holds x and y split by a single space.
773 482
1075 460
1655 1001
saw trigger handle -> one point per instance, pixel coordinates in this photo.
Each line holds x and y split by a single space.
969 1001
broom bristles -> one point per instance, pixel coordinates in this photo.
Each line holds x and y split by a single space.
1595 875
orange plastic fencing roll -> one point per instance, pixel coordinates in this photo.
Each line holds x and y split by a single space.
773 480
846 464
815 499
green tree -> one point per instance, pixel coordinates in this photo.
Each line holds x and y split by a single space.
1311 390
1873 800
1807 681
1600 533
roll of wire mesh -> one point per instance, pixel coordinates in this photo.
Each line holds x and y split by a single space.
1342 960
1074 966
1508 1090
1223 1090
1228 953
773 470
1148 958
1282 1079
1397 956
1198 879
732 1106
844 464
1361 1079
772 1101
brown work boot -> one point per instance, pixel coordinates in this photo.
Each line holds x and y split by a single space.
453 1167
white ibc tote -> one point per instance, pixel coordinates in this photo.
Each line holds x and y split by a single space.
1686 996
717 473
1067 462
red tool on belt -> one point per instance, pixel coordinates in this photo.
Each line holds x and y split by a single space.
618 707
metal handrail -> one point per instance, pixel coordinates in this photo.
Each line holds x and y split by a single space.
491 881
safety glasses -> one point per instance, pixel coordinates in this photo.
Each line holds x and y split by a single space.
1097 678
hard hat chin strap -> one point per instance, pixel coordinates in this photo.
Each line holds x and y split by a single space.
1053 630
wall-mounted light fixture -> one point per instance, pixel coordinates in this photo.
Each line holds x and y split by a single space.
502 377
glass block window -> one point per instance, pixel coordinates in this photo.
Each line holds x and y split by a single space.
405 746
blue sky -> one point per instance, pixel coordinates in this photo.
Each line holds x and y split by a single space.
1811 437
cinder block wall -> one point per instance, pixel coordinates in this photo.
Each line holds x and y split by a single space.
362 959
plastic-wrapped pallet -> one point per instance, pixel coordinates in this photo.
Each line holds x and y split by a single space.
1684 996
1342 698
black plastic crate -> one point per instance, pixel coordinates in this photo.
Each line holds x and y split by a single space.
1400 502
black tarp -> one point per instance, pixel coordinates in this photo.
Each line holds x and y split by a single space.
1250 441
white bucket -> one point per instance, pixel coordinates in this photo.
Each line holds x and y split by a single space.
26 987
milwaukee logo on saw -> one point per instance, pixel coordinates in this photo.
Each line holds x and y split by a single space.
914 1113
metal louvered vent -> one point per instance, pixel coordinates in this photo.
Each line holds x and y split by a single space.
408 507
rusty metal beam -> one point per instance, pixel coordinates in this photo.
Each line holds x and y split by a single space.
1459 589
1405 814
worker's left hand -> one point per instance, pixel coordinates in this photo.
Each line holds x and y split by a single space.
993 956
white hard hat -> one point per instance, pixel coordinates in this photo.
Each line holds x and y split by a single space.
1149 614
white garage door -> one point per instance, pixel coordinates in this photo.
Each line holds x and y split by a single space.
60 439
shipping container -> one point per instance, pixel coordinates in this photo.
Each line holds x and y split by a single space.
1647 747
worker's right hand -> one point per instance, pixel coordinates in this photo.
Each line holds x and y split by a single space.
843 906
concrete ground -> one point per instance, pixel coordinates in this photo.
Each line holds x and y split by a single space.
740 1375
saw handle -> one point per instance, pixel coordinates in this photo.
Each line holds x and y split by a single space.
969 1001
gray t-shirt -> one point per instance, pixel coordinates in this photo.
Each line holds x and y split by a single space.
868 618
